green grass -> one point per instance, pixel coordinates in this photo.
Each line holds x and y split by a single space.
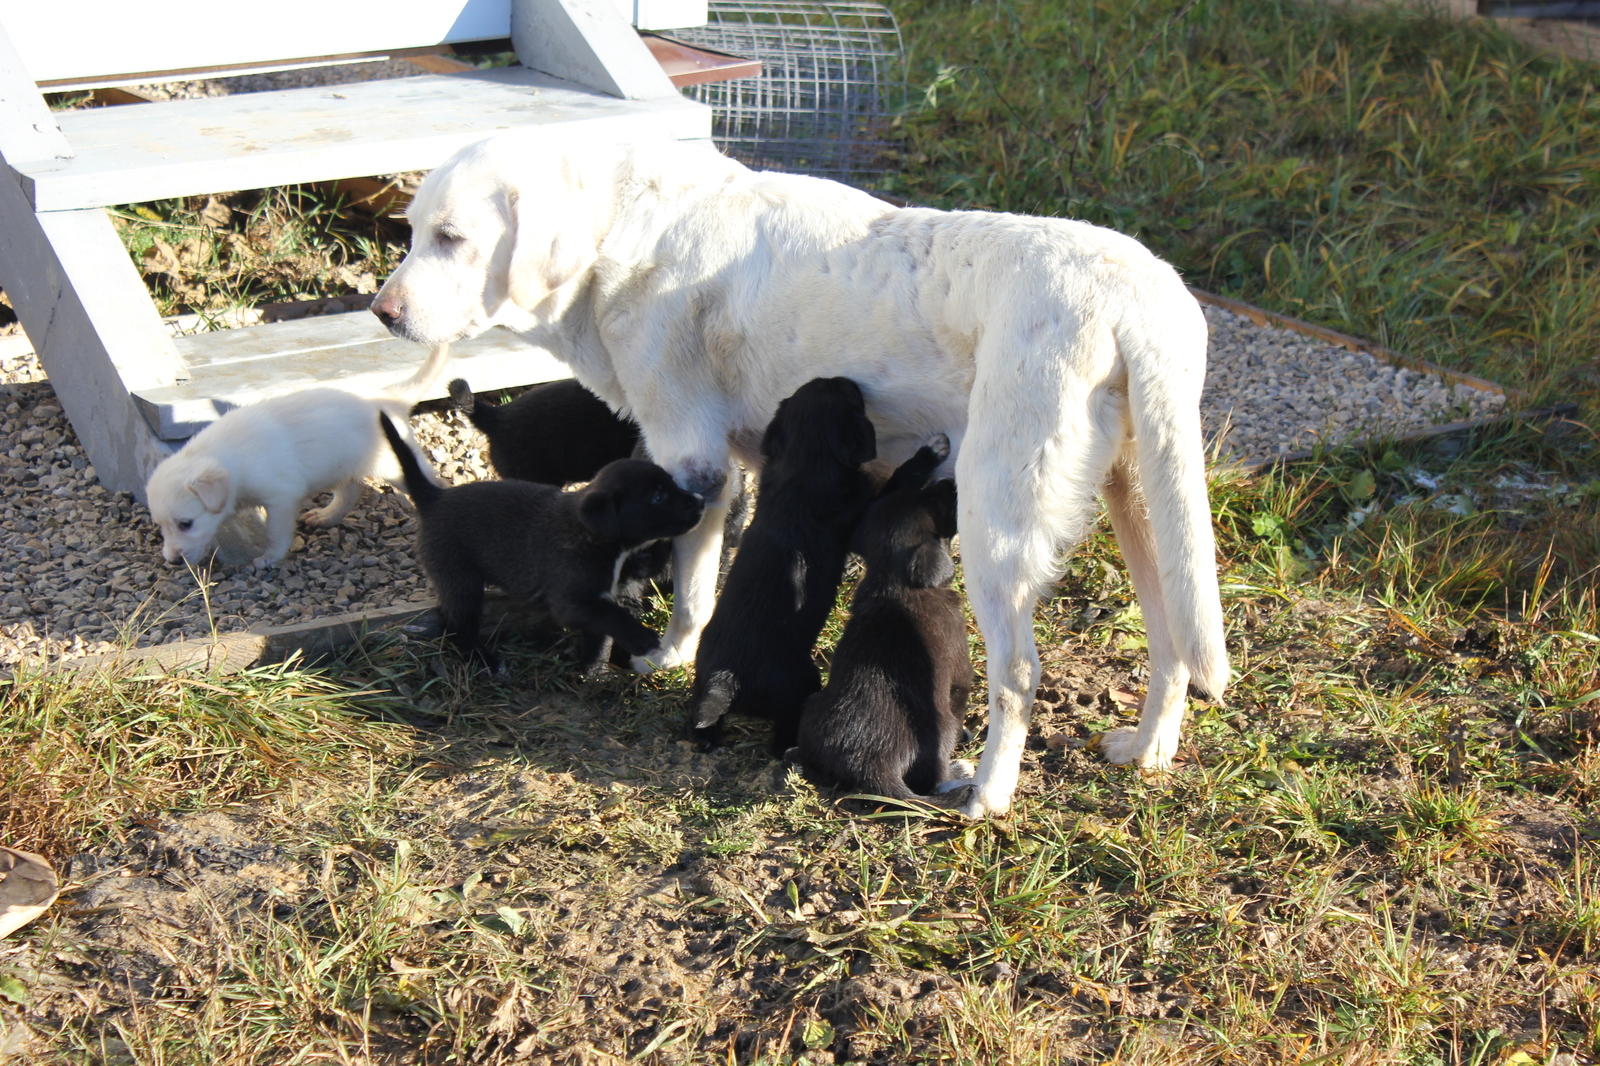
1426 183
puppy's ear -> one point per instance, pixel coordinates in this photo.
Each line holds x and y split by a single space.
553 237
211 486
863 441
774 439
598 512
930 566
941 497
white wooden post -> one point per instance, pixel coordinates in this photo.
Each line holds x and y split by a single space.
84 306
587 42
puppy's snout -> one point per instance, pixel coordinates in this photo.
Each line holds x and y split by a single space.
389 309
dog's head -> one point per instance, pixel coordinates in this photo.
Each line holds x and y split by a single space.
905 535
500 226
189 498
824 423
632 501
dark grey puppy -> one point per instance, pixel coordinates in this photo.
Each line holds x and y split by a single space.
555 434
561 550
898 687
755 653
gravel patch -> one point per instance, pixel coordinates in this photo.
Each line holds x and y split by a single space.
1272 392
81 570
339 74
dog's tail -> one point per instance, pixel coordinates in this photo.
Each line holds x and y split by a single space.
482 415
915 471
1165 357
421 488
420 384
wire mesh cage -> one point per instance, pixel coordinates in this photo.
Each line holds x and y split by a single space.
833 75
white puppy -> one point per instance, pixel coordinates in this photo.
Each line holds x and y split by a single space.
276 454
1063 361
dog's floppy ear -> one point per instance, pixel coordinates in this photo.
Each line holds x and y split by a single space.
774 439
598 512
941 499
863 441
930 566
553 236
211 486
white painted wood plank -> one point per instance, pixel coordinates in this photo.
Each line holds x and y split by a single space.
249 141
27 128
588 42
65 40
232 368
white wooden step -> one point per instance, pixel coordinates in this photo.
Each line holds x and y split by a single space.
253 140
234 367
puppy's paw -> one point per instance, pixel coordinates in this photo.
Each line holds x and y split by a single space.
961 771
1122 747
951 795
266 562
939 443
322 517
648 663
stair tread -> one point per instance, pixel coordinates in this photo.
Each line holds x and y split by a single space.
236 367
252 140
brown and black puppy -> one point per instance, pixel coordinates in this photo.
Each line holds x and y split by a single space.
755 654
897 691
553 434
543 545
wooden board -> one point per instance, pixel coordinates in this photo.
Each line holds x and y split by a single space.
253 140
62 41
231 368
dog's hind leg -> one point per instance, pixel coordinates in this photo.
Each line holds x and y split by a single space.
1155 741
1020 504
345 498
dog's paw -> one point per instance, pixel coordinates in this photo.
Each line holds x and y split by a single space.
940 445
975 802
660 658
1122 747
321 517
266 562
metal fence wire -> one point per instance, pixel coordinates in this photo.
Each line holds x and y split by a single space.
833 75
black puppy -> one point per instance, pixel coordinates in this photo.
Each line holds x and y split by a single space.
554 434
897 692
543 545
755 653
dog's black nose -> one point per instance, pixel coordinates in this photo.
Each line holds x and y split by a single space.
388 309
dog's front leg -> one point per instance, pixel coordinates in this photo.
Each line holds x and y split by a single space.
281 515
696 559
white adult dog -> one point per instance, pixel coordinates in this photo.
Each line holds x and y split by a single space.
1063 360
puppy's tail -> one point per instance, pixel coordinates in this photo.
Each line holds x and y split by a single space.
915 471
420 384
482 415
419 486
1165 357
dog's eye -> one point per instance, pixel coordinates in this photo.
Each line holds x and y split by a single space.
185 525
448 238
659 497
